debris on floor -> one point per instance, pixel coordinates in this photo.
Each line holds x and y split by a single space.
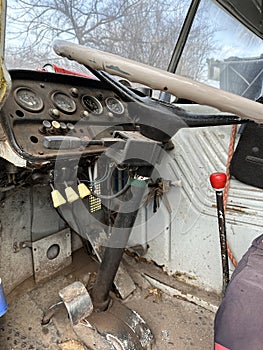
175 322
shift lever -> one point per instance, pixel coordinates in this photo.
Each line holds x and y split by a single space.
218 182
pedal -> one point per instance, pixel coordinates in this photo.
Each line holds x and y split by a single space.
77 301
116 328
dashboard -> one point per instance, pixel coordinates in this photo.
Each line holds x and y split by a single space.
47 113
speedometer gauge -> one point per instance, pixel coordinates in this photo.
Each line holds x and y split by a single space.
115 106
28 99
64 102
92 104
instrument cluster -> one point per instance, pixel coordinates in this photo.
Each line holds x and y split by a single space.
46 106
31 101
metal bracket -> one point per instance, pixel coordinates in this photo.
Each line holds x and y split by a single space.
51 254
17 246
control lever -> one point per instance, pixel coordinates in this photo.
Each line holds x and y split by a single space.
218 182
73 142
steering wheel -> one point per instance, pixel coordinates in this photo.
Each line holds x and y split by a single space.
161 80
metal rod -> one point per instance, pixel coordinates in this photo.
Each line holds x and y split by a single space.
222 236
218 182
189 19
49 313
179 47
116 245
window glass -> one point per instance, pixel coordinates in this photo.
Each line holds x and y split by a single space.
143 30
228 56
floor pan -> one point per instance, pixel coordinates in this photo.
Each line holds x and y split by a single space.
175 323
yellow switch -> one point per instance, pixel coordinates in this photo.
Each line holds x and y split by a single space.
83 190
71 195
57 198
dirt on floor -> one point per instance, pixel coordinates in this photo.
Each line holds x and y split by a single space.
176 323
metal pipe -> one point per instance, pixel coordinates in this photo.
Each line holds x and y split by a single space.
116 245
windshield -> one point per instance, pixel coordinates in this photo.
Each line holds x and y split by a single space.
142 30
219 50
230 57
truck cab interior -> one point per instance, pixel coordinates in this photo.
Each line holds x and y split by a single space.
107 215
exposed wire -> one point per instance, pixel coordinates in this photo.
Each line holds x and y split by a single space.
108 173
115 195
93 176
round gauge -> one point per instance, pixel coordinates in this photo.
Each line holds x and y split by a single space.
115 106
64 102
92 104
28 99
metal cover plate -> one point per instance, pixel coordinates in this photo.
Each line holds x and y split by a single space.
45 267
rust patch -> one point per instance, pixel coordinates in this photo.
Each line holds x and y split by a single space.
71 345
181 275
240 210
73 293
156 293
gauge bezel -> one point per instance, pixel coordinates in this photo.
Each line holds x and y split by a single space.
69 99
99 105
118 102
23 104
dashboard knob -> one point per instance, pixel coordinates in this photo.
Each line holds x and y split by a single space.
70 126
54 113
55 127
74 92
63 127
46 126
84 114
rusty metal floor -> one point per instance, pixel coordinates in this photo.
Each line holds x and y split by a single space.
175 322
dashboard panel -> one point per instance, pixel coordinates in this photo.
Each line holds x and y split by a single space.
50 114
47 113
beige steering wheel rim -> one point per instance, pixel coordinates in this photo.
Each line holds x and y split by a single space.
161 80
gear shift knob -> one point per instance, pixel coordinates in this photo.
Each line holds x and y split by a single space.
218 181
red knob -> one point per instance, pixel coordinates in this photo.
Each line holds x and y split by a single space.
218 181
